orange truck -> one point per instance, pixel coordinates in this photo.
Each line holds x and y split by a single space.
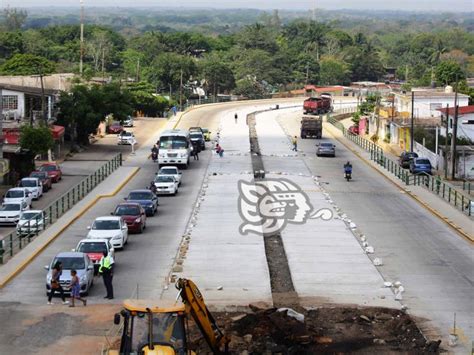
317 105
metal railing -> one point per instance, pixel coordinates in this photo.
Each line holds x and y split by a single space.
24 234
446 191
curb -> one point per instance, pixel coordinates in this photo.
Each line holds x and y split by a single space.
30 258
444 219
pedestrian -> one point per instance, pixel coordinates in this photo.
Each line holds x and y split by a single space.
55 285
106 268
219 150
236 117
294 141
76 289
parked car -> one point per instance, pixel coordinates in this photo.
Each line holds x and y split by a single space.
198 139
115 128
207 134
72 260
406 159
53 170
147 199
94 248
44 178
354 129
31 222
112 228
33 185
166 185
125 138
133 214
326 149
10 212
18 194
420 165
173 171
128 122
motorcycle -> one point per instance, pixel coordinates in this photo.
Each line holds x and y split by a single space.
154 156
348 174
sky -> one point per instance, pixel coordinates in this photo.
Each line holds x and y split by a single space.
411 5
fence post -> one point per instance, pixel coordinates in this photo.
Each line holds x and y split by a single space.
120 159
455 197
444 188
449 193
11 244
2 251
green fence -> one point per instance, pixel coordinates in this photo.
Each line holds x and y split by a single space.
25 233
455 197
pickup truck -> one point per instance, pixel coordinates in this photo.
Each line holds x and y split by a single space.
317 105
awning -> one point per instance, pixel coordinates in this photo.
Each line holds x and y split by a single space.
58 131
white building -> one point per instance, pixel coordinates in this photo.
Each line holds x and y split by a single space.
427 102
465 121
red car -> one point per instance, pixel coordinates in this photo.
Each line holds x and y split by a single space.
43 176
354 129
115 128
133 214
53 170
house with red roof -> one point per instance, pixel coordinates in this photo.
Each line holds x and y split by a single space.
465 121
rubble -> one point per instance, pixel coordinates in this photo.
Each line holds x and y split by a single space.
335 329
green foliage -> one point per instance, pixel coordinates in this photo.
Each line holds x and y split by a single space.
38 140
27 64
84 108
356 118
334 72
250 88
11 43
13 19
448 71
218 75
146 101
167 69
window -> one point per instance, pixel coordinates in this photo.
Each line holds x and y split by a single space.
10 102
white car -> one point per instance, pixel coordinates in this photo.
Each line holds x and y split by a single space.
31 222
126 138
113 228
10 212
18 194
166 185
173 171
95 248
128 122
34 185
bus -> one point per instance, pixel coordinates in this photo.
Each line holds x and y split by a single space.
174 148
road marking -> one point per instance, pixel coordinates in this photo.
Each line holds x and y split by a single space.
25 263
444 219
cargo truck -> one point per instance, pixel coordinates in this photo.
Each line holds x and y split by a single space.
311 126
317 105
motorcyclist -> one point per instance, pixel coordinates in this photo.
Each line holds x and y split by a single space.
348 167
152 187
154 152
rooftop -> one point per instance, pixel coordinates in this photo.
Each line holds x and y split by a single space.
462 110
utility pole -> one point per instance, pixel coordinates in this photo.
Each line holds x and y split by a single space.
412 126
138 70
181 91
82 37
446 144
455 133
43 103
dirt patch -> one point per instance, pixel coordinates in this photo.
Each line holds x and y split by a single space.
328 330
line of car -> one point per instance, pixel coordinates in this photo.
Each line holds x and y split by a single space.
110 233
17 201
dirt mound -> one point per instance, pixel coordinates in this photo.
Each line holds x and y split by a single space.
323 330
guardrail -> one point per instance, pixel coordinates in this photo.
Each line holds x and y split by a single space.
24 234
447 192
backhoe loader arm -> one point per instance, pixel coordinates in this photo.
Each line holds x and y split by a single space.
194 303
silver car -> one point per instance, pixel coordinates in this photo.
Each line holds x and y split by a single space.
72 260
326 149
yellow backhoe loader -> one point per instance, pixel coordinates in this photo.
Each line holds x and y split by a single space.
151 329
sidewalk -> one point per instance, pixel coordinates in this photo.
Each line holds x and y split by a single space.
448 213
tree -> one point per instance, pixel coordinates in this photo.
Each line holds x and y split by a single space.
11 43
27 64
250 88
334 71
448 71
82 109
364 63
38 140
145 100
13 19
166 70
218 75
259 37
